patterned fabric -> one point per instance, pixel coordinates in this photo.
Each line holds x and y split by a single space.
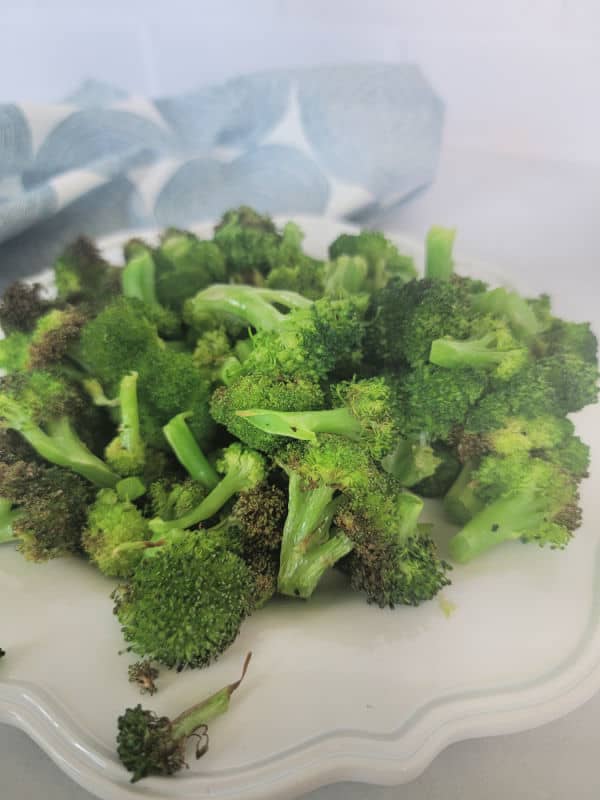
339 141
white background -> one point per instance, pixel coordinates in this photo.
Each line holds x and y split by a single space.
520 176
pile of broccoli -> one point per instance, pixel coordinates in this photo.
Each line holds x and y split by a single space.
222 421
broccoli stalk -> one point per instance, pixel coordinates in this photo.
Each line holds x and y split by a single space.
243 470
307 549
127 452
438 253
60 444
188 452
249 304
152 745
479 352
411 461
138 277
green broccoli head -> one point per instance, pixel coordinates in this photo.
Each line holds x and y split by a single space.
49 507
54 335
112 522
250 244
382 258
83 277
184 606
21 306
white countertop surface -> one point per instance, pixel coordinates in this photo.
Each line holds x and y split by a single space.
536 216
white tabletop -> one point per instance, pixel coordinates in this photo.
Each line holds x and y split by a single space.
536 216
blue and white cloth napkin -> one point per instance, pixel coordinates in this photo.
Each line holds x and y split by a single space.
336 140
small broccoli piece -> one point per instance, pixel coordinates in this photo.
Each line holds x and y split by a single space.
14 352
169 501
411 461
242 470
212 355
44 508
491 346
257 389
82 276
408 318
382 258
515 309
112 522
365 417
21 307
431 401
126 453
260 512
145 675
317 473
250 244
393 559
184 606
38 405
305 278
571 338
54 336
439 482
519 497
438 253
151 745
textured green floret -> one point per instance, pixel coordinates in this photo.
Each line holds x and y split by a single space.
185 606
151 745
82 276
382 258
14 352
54 335
21 306
45 508
250 244
112 522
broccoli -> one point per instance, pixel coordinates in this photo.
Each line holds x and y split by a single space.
171 501
145 675
411 461
189 454
21 307
39 405
365 417
516 497
393 558
271 391
151 745
242 469
317 473
111 522
509 305
438 253
83 277
445 473
381 259
184 606
44 508
54 336
126 453
14 352
214 356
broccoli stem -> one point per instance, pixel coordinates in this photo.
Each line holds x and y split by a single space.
501 521
438 257
411 462
138 277
229 485
129 431
243 302
205 711
305 424
188 452
8 515
461 502
476 353
306 552
512 307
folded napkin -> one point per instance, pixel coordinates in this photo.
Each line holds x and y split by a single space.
337 140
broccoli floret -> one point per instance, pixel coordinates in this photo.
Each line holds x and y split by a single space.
144 674
408 318
44 508
446 471
513 308
54 335
21 307
256 389
213 356
393 559
317 473
170 501
250 244
242 470
411 461
382 258
365 417
83 277
151 745
431 401
126 453
520 497
138 279
14 352
39 405
184 606
572 338
188 452
112 522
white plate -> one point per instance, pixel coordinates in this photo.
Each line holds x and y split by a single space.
337 690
